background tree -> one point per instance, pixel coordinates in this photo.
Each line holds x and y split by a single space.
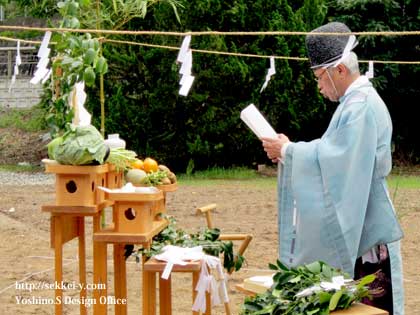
204 129
397 84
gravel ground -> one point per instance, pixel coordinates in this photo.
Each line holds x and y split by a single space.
16 179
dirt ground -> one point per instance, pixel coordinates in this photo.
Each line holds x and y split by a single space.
26 255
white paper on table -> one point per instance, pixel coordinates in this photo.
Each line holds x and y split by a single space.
184 48
257 123
185 88
265 281
129 188
44 51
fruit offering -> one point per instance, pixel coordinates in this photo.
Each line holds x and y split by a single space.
148 172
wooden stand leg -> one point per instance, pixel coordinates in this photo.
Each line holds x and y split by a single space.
99 272
120 279
58 262
82 263
165 296
149 290
195 276
208 303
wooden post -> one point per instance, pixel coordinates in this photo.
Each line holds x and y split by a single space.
58 262
207 210
82 264
120 279
149 289
58 74
99 270
195 276
165 295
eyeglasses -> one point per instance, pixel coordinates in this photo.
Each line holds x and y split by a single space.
319 77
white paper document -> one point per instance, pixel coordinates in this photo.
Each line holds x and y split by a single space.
257 123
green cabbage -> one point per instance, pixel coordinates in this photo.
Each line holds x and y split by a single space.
79 145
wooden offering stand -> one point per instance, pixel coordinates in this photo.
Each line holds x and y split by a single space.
134 223
160 205
77 196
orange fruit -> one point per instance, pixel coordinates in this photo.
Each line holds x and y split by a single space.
150 165
137 164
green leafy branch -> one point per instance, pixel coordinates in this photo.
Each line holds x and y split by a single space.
283 297
207 238
78 58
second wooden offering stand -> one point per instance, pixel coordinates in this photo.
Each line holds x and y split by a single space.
134 223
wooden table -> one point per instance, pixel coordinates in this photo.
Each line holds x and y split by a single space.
119 240
355 309
155 267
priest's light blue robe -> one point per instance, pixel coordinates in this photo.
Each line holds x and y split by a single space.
334 204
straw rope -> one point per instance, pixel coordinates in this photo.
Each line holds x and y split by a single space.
214 52
203 33
240 54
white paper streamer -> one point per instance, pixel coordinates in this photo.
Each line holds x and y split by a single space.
184 48
186 86
42 73
369 74
77 99
47 76
44 51
270 72
185 58
187 63
39 74
18 62
213 284
207 282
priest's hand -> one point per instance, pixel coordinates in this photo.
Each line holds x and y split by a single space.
273 146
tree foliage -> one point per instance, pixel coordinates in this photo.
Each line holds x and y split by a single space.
204 129
396 83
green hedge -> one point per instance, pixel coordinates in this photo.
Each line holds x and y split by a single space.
204 129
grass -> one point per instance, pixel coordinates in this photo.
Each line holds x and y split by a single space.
246 176
404 181
31 119
221 176
21 168
241 175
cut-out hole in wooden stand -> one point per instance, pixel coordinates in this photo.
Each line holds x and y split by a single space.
71 187
130 214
